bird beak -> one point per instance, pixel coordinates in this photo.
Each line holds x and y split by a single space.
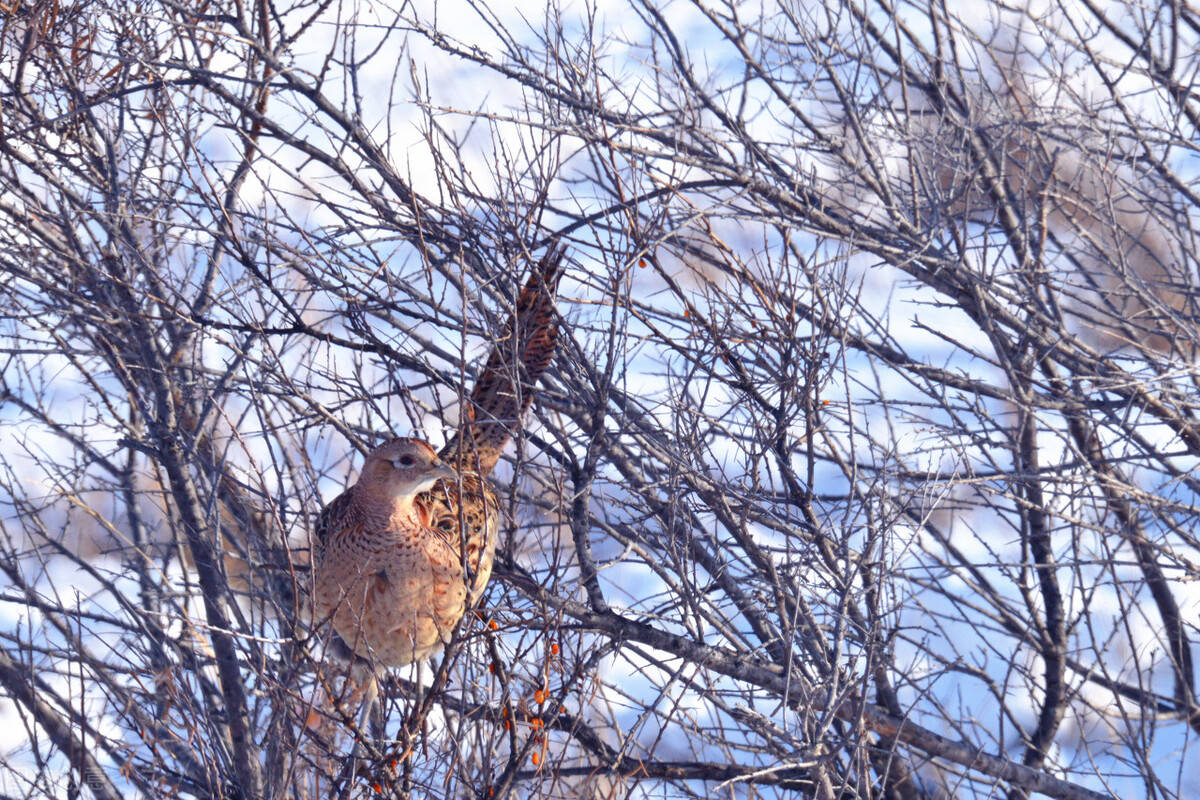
440 470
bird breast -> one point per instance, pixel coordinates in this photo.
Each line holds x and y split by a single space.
393 582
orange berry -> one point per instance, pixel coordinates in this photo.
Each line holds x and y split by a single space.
536 758
492 624
554 648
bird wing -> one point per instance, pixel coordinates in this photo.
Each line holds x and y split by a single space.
331 517
468 517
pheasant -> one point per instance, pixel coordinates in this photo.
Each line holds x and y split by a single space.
401 554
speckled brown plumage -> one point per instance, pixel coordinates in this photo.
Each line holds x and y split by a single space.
389 569
504 389
389 566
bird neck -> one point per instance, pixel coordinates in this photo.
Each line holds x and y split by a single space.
386 508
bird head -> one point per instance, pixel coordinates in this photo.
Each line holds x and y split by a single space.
404 467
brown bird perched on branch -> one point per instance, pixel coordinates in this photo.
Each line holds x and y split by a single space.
401 554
